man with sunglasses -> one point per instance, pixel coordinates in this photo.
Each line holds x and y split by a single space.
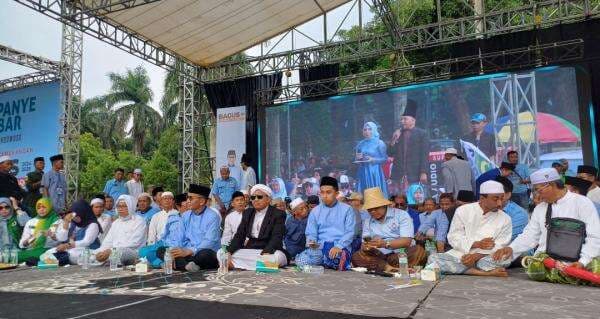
260 232
563 204
202 233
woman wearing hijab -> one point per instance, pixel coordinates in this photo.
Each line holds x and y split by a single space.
79 230
371 153
415 196
38 234
127 233
278 187
12 221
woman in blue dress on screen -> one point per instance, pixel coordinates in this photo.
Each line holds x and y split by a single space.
371 154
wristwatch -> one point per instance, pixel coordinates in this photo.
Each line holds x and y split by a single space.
388 244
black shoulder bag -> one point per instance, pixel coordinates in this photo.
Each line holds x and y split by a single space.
565 237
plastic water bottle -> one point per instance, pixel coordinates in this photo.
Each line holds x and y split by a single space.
430 248
313 270
403 267
85 258
168 262
114 259
223 259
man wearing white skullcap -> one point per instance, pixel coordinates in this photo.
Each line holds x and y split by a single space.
158 221
560 203
295 227
105 220
477 231
251 240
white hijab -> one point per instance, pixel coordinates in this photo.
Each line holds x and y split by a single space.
130 202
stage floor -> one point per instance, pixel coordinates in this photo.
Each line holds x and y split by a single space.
99 293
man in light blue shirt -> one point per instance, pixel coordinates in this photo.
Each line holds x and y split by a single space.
434 224
144 209
386 232
331 227
116 186
202 233
520 180
54 183
518 216
223 188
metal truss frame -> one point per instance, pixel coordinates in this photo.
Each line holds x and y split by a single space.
103 7
27 80
188 108
531 56
510 96
35 62
536 14
70 101
109 32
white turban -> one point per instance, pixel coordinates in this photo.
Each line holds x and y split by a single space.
296 202
96 201
544 175
261 187
167 194
491 187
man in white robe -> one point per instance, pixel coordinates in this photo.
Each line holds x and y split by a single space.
159 220
234 217
547 183
477 231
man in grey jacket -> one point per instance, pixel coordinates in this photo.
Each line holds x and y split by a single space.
456 173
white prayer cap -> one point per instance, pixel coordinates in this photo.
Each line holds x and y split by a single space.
144 195
344 179
544 175
261 187
167 194
137 171
5 158
451 150
296 202
96 201
491 187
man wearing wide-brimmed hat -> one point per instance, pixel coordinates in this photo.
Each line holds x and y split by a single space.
385 232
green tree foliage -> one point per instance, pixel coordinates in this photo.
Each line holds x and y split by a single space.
130 95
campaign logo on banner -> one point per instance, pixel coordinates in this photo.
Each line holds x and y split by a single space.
29 125
231 139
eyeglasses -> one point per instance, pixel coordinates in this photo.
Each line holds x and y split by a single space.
5 207
254 197
538 189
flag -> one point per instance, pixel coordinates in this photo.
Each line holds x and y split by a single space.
479 162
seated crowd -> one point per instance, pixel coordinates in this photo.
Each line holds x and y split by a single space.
475 233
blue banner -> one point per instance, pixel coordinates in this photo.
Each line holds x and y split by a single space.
29 125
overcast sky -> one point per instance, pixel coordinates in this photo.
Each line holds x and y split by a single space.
29 31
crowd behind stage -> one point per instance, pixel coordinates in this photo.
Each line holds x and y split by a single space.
236 223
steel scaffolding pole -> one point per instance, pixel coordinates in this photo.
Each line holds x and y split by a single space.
189 114
103 7
70 101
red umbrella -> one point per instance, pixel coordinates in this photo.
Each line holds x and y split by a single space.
573 272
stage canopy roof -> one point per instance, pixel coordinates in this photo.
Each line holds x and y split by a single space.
207 31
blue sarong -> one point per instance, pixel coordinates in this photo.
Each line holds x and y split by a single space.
149 252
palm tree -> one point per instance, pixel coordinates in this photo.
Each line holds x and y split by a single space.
129 96
99 119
